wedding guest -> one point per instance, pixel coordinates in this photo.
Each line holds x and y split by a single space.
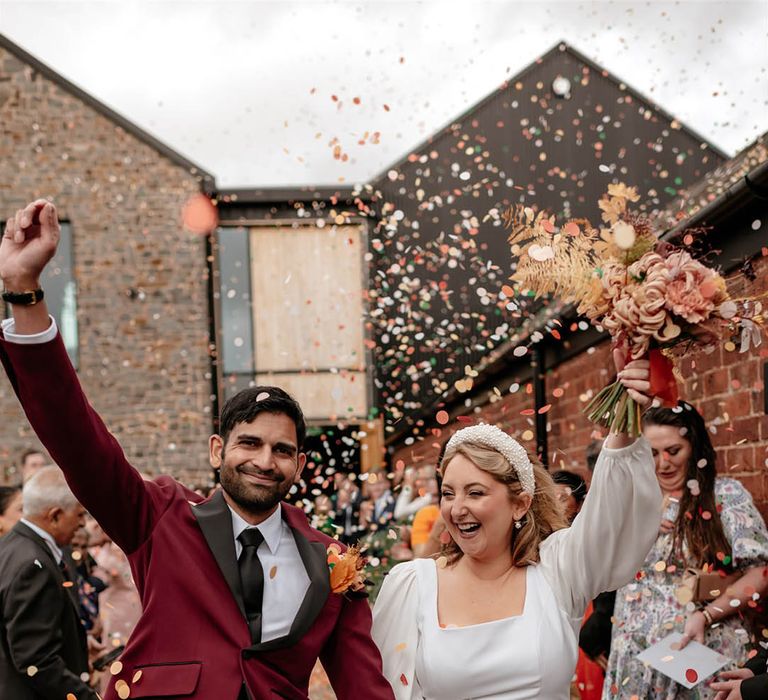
43 649
323 516
119 604
346 508
498 614
570 489
89 585
424 521
32 461
708 521
10 507
415 492
378 509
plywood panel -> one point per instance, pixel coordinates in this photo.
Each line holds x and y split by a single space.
307 298
324 395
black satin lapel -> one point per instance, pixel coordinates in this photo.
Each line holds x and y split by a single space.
314 557
215 520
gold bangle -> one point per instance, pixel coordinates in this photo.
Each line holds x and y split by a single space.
708 617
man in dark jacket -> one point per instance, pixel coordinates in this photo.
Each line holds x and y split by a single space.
43 651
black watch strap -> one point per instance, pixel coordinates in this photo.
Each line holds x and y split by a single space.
28 298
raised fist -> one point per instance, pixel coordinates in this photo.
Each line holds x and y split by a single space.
28 244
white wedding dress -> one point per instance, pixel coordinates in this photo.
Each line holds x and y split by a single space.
532 655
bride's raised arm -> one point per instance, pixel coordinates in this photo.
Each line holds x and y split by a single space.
620 518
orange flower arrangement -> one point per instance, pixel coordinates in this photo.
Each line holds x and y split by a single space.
653 298
346 571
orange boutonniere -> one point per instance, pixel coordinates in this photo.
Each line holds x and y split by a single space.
346 571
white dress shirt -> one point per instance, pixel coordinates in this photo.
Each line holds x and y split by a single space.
55 549
285 578
9 333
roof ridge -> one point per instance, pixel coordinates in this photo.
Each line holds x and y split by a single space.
559 47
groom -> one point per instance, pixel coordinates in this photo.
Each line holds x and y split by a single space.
235 589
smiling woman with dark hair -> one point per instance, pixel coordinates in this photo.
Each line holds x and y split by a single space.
709 521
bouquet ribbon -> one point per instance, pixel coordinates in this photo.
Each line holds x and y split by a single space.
663 382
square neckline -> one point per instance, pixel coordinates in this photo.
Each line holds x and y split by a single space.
434 604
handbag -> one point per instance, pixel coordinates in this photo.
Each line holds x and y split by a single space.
707 585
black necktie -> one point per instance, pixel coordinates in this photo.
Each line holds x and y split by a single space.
252 579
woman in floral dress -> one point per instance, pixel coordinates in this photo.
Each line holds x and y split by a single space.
708 520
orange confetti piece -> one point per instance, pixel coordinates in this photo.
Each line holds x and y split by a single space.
199 215
571 229
442 417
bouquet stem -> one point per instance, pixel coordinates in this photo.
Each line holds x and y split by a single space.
613 408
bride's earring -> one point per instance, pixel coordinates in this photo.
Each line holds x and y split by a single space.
518 524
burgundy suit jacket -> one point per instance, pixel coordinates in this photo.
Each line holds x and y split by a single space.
192 639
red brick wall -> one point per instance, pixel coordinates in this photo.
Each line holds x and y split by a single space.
144 362
727 387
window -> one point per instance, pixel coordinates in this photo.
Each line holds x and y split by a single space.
291 305
58 281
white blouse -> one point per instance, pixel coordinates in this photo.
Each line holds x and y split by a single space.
532 655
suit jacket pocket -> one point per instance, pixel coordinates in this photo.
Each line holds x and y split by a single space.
160 680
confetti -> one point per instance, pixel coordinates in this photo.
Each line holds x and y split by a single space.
123 690
116 668
199 215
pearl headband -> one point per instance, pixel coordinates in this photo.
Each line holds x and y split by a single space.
496 439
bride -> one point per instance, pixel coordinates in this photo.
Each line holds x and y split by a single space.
498 615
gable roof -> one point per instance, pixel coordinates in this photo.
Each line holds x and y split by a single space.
207 180
558 48
441 252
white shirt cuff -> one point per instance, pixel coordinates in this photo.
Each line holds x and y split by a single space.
9 332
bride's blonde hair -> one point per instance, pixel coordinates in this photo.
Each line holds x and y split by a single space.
544 517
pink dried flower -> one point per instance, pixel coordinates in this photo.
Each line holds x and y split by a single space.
693 290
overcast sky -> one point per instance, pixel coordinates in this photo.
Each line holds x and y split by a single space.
262 93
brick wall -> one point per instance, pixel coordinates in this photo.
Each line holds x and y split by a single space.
143 353
727 387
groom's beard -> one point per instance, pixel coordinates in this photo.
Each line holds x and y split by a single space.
254 498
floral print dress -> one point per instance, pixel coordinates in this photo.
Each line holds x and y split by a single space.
647 610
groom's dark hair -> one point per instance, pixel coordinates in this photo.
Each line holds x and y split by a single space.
244 406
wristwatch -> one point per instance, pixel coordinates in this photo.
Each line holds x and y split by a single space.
26 298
